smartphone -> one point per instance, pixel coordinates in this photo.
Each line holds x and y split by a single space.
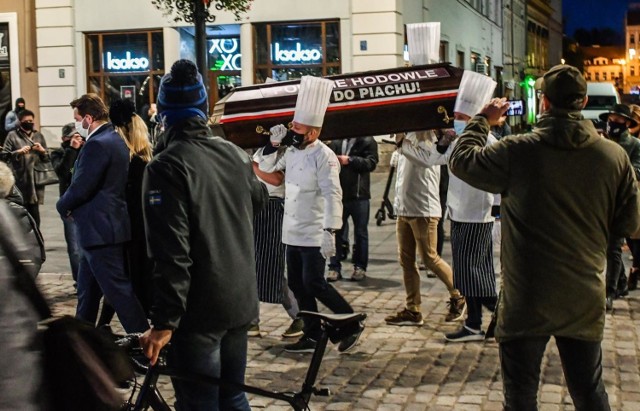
516 108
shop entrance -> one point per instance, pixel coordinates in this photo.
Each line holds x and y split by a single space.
221 83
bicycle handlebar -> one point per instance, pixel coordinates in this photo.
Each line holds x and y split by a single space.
131 345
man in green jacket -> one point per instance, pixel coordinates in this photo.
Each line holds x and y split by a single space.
565 190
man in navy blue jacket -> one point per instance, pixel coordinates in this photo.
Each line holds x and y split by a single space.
96 203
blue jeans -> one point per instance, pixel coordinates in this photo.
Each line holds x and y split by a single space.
358 210
581 362
221 354
305 271
73 249
101 271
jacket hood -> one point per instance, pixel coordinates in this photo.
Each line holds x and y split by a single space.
566 129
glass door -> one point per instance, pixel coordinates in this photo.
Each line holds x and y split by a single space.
221 83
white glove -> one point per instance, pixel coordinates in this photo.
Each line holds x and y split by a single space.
394 159
328 247
277 134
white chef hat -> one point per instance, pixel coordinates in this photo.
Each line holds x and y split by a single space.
475 91
423 41
313 99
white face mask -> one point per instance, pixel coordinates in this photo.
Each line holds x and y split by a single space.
84 132
459 125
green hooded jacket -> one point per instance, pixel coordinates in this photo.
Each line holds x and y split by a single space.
564 190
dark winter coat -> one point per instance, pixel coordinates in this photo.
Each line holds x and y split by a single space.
22 164
354 177
32 233
200 196
63 159
138 264
632 146
20 374
565 191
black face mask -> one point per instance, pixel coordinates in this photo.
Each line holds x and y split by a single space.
19 109
615 130
26 126
293 139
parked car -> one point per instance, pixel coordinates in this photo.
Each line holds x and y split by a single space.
602 97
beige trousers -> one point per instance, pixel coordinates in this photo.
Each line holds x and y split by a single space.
419 234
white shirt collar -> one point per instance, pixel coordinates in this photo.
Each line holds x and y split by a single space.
94 131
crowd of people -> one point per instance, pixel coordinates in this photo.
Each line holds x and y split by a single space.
182 240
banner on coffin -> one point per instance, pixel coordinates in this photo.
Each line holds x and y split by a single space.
370 87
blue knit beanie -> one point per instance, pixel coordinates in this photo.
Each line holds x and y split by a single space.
182 94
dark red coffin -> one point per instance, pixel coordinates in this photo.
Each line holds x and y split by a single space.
362 104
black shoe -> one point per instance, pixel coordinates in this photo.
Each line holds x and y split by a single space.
351 341
465 334
609 303
632 282
304 344
295 329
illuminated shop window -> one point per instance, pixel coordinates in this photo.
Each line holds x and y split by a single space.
125 65
286 51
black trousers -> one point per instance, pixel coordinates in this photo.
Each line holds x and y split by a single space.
581 362
616 278
474 310
34 210
305 272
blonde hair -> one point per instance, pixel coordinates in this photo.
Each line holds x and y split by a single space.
136 137
6 180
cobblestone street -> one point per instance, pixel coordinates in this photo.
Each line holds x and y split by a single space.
394 368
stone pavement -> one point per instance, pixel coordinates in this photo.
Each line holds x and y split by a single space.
393 368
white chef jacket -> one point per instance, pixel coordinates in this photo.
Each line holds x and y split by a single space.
466 204
417 181
312 175
274 191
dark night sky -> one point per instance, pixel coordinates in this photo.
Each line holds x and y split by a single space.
594 14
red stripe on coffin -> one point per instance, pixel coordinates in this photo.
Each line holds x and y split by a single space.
362 104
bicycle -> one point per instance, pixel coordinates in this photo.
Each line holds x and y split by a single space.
334 327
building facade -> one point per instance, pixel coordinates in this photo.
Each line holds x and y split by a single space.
514 46
122 51
18 58
631 83
605 64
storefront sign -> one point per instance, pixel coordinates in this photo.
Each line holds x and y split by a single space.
128 63
296 55
225 54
